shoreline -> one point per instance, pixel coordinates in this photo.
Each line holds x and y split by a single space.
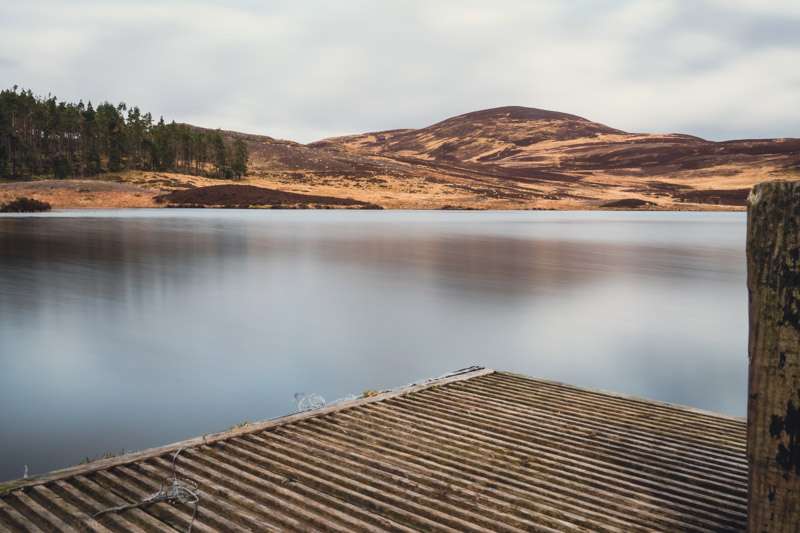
138 189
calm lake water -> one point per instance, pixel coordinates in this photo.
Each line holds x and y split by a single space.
130 329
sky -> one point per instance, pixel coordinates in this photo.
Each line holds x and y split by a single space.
305 70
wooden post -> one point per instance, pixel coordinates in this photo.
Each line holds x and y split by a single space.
773 410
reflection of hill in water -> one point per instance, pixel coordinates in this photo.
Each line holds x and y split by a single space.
108 258
514 265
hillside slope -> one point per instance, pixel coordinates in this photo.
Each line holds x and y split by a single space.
557 160
502 158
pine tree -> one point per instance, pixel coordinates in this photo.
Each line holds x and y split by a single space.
44 136
219 154
111 138
200 142
239 164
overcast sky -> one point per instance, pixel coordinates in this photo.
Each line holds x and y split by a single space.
305 69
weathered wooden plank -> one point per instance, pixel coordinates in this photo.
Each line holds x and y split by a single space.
705 430
405 512
413 430
470 424
272 493
276 513
444 497
90 506
15 520
68 512
111 499
248 462
457 489
571 429
214 502
513 481
178 516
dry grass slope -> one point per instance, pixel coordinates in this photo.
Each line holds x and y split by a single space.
503 158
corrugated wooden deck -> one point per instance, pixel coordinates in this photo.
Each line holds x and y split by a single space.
476 451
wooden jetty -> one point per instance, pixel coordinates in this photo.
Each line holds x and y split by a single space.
478 450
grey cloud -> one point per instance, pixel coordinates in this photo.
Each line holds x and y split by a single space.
305 70
6 62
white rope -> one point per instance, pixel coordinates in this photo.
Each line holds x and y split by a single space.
307 402
173 490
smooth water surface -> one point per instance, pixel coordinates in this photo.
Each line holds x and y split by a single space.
130 329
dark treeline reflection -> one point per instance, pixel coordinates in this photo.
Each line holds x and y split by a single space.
132 330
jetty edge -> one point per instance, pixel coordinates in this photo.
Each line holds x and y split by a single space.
473 451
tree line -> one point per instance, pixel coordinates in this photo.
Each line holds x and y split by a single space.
47 137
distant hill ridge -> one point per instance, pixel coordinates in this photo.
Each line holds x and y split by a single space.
509 157
535 152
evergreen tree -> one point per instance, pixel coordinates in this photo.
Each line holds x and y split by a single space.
48 137
239 164
90 151
200 142
219 153
110 126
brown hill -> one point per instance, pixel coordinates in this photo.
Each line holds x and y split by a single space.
478 136
526 157
502 158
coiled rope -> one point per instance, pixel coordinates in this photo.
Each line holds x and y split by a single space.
173 490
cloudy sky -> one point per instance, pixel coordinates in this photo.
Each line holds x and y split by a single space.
309 69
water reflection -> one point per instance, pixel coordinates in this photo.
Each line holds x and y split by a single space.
136 329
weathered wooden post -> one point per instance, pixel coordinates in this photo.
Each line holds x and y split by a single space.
773 411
